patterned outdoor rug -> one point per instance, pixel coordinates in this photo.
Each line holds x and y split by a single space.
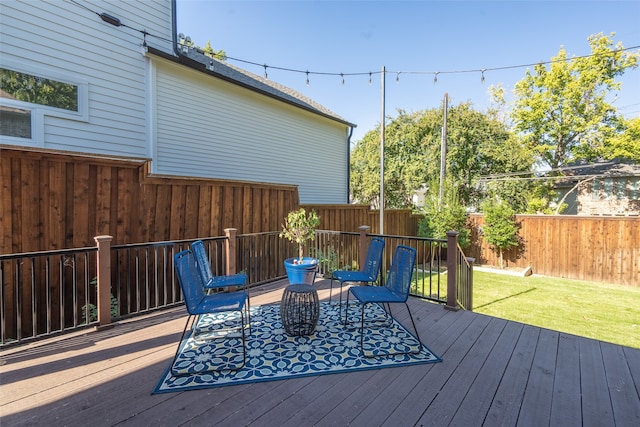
274 355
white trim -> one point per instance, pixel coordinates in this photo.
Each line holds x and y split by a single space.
37 129
151 117
83 92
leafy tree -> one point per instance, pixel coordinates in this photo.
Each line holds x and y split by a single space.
477 144
500 230
207 49
447 216
562 110
217 54
626 144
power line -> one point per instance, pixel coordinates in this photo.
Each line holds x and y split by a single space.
116 22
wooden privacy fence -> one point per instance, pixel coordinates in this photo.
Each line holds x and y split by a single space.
52 201
600 249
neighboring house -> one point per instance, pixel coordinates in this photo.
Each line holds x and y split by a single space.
130 90
601 188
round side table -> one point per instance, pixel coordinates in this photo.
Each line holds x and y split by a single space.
300 309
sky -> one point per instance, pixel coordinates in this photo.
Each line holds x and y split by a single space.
412 40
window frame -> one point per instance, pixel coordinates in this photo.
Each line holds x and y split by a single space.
39 111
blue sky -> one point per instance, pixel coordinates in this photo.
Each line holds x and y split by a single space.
415 38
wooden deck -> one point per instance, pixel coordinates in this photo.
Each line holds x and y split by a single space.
494 372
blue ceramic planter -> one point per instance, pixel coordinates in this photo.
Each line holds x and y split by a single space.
301 274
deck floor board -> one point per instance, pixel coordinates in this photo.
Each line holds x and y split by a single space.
494 372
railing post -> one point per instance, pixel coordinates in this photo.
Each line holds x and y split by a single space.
104 280
231 249
470 260
364 229
452 270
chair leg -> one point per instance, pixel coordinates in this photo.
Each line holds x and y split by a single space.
331 289
248 308
194 326
346 310
175 356
417 336
414 328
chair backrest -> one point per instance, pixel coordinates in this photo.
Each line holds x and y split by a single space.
373 262
189 278
401 271
202 261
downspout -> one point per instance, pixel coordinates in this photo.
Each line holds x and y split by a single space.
349 164
174 28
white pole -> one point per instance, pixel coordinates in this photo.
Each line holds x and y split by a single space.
382 89
443 151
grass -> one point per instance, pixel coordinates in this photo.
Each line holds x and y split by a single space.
604 312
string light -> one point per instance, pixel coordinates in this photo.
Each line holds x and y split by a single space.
184 44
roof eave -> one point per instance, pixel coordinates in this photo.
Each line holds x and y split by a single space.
198 66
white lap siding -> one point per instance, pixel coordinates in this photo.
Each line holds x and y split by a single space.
207 127
67 41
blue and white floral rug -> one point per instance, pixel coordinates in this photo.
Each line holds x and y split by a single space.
273 355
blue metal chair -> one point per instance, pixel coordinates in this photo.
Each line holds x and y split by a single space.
368 272
198 303
204 269
216 282
395 290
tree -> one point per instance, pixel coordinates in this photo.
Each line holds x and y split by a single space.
446 216
186 41
477 145
562 111
500 230
626 144
219 54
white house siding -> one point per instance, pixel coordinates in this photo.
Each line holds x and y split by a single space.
63 39
208 127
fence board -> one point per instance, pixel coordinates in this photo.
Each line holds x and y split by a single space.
601 249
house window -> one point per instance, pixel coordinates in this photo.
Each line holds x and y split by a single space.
38 90
595 189
28 95
634 188
608 188
15 122
621 188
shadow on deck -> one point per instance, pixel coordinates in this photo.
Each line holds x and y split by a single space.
495 372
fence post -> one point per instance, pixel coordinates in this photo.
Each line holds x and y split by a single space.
104 280
452 270
362 258
231 249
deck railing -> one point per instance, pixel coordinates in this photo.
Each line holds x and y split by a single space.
44 293
51 292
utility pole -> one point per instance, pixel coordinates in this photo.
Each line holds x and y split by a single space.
443 150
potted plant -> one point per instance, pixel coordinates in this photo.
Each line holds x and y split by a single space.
299 227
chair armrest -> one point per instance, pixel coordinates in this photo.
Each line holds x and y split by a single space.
238 279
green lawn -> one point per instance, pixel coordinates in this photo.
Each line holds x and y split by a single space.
605 312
